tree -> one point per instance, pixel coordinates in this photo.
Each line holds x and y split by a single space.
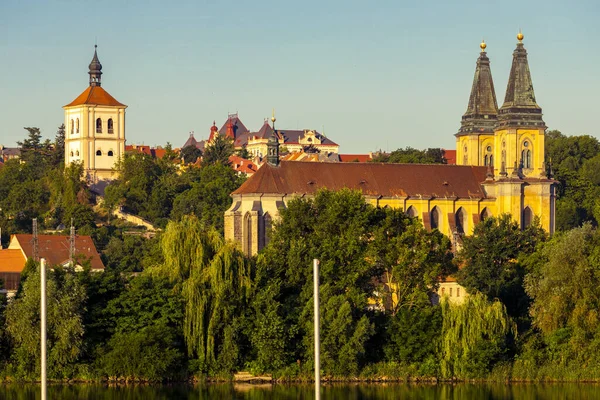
214 279
208 197
491 263
58 153
190 154
412 156
218 151
475 335
65 304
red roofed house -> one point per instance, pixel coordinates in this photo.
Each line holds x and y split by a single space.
54 248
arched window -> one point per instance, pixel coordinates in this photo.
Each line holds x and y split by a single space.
485 160
71 153
268 223
491 160
98 152
527 217
77 153
460 218
77 125
411 212
110 153
528 159
443 291
109 126
98 125
485 214
71 128
248 234
435 218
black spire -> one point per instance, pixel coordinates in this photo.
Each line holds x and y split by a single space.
482 111
273 150
520 108
95 69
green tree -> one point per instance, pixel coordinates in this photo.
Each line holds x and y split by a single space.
218 151
410 155
475 335
66 298
491 262
58 153
190 154
214 279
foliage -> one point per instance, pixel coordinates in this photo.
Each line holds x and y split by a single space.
218 151
208 196
190 154
147 342
410 155
214 279
347 235
475 335
65 304
491 262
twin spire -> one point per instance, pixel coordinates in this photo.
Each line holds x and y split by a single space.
519 108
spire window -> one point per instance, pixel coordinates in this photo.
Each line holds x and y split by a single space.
109 126
99 125
526 158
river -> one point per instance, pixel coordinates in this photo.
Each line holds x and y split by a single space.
460 391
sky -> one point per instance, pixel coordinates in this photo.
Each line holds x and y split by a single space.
370 74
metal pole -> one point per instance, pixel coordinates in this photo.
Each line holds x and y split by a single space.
43 324
317 331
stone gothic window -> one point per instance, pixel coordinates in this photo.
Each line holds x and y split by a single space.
109 126
460 221
435 218
411 212
99 125
527 217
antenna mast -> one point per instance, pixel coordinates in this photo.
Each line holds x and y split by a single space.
35 241
71 244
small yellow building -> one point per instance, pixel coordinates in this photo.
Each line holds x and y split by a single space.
95 128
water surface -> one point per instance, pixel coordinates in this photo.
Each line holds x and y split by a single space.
461 391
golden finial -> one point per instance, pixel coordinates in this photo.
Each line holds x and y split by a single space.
483 45
273 116
520 36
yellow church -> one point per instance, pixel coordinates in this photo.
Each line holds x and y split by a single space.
500 169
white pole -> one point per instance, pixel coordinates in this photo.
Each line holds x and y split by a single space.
317 331
43 324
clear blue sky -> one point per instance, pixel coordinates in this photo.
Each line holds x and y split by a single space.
375 74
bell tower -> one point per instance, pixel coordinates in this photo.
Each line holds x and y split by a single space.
475 139
520 133
95 128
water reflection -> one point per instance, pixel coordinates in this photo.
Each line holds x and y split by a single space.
306 392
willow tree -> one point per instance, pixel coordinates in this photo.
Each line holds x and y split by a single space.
214 280
474 336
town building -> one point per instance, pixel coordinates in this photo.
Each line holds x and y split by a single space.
450 198
56 249
95 128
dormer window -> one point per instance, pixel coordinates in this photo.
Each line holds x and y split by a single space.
99 125
110 125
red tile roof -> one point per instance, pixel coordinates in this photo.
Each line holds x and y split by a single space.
95 95
373 179
355 157
240 164
55 248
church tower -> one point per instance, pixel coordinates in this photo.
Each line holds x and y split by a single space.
519 144
95 128
475 139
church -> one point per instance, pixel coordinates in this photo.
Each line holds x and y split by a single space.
95 129
500 169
